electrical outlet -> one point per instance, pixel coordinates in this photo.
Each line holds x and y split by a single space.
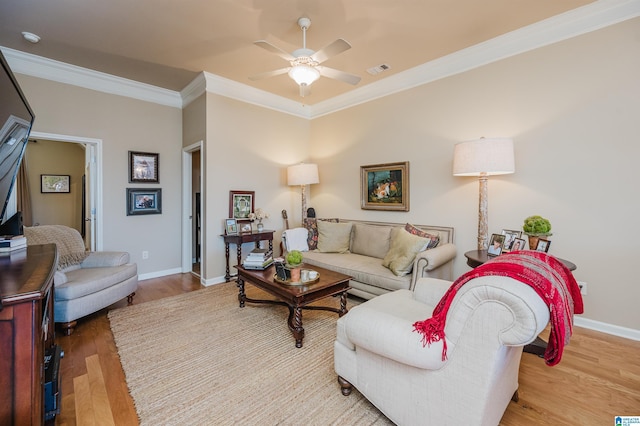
145 254
583 287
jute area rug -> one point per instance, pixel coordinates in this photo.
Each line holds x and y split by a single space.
200 359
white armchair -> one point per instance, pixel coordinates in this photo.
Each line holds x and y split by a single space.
488 323
84 282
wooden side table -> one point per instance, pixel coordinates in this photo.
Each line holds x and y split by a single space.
476 258
245 237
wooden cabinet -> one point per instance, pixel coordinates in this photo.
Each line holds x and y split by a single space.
26 331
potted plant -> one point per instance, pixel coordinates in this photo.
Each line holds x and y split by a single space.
535 227
294 261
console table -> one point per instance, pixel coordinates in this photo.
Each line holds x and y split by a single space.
26 332
245 237
476 258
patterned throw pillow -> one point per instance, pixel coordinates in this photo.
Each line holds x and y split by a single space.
434 240
311 223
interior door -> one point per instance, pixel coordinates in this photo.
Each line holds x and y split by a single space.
90 197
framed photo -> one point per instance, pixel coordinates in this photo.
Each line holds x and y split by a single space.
518 244
144 201
385 186
543 245
245 227
144 167
241 205
55 183
230 227
509 238
495 245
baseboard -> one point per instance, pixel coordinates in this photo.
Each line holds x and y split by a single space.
616 330
158 274
213 281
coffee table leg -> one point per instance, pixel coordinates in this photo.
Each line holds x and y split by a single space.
295 325
343 304
241 296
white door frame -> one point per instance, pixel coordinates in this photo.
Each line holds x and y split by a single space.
94 148
187 211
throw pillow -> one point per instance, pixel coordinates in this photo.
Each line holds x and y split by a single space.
434 240
311 223
403 250
334 237
371 240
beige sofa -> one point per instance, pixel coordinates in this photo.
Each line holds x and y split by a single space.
369 243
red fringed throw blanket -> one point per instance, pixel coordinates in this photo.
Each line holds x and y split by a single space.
549 277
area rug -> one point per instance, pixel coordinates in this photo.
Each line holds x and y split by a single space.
200 359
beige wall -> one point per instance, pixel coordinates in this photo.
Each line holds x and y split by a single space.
572 109
122 124
56 158
248 148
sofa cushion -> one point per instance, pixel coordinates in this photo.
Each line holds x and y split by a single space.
434 240
403 250
370 240
82 282
334 237
311 223
363 269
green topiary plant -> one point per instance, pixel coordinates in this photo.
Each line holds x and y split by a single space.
536 226
294 258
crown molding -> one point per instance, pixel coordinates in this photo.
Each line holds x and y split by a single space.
594 16
49 69
570 24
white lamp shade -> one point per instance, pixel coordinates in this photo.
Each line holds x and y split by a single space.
304 74
485 156
302 174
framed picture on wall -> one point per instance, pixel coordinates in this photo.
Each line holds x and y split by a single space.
55 183
385 186
144 201
241 205
144 167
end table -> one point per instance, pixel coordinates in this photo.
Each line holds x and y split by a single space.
241 238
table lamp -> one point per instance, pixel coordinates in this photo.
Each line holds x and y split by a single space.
303 174
483 157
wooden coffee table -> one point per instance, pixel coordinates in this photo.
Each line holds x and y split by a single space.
296 296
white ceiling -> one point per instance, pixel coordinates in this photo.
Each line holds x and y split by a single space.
168 43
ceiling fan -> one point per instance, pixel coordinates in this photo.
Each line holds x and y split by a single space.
305 63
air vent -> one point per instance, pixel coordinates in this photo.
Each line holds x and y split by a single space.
378 69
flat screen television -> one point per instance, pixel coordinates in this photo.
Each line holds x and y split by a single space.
16 119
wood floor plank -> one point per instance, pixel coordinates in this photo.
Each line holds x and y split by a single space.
85 414
99 398
597 379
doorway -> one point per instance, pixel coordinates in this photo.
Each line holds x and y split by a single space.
193 202
92 187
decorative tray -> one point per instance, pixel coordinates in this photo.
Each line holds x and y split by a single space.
289 282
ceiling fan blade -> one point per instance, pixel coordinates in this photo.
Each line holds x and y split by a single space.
339 75
305 90
270 74
274 49
338 46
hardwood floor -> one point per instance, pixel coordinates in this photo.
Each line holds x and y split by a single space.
597 379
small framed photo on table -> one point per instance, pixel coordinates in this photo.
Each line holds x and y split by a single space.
495 245
230 227
509 238
518 244
245 227
543 245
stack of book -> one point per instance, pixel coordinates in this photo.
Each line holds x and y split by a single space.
12 242
258 259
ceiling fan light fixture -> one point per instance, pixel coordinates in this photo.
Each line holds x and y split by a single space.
304 74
